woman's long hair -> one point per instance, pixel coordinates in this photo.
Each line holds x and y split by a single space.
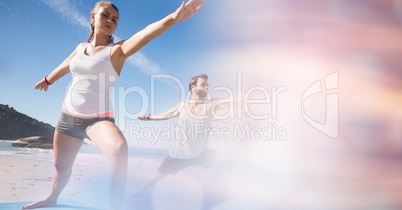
98 5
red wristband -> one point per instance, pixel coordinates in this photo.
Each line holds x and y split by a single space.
46 82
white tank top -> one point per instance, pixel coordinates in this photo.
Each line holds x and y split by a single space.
192 132
93 78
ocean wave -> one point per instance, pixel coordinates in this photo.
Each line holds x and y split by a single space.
88 155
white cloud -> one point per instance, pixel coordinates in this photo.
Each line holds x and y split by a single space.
144 64
67 10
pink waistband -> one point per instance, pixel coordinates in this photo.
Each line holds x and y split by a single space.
103 115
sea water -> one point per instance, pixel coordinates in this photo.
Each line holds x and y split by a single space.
88 154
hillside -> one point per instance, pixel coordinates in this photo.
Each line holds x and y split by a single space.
15 125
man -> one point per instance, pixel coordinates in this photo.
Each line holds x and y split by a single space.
194 124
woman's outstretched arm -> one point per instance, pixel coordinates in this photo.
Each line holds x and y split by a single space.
57 73
140 39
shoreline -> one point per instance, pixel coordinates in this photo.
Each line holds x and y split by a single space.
88 155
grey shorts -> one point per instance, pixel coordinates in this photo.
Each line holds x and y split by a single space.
174 165
77 127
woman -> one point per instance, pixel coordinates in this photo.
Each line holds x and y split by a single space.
87 111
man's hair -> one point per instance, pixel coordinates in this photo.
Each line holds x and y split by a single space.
194 80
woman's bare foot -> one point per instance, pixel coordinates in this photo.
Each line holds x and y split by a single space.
39 204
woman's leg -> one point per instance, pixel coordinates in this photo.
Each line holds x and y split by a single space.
107 137
65 149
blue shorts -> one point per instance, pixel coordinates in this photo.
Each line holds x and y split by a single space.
77 127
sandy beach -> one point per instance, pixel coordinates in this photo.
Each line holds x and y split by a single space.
22 178
25 180
267 176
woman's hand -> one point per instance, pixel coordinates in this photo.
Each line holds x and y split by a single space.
187 10
41 85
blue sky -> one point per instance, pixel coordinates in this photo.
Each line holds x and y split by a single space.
42 33
263 43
